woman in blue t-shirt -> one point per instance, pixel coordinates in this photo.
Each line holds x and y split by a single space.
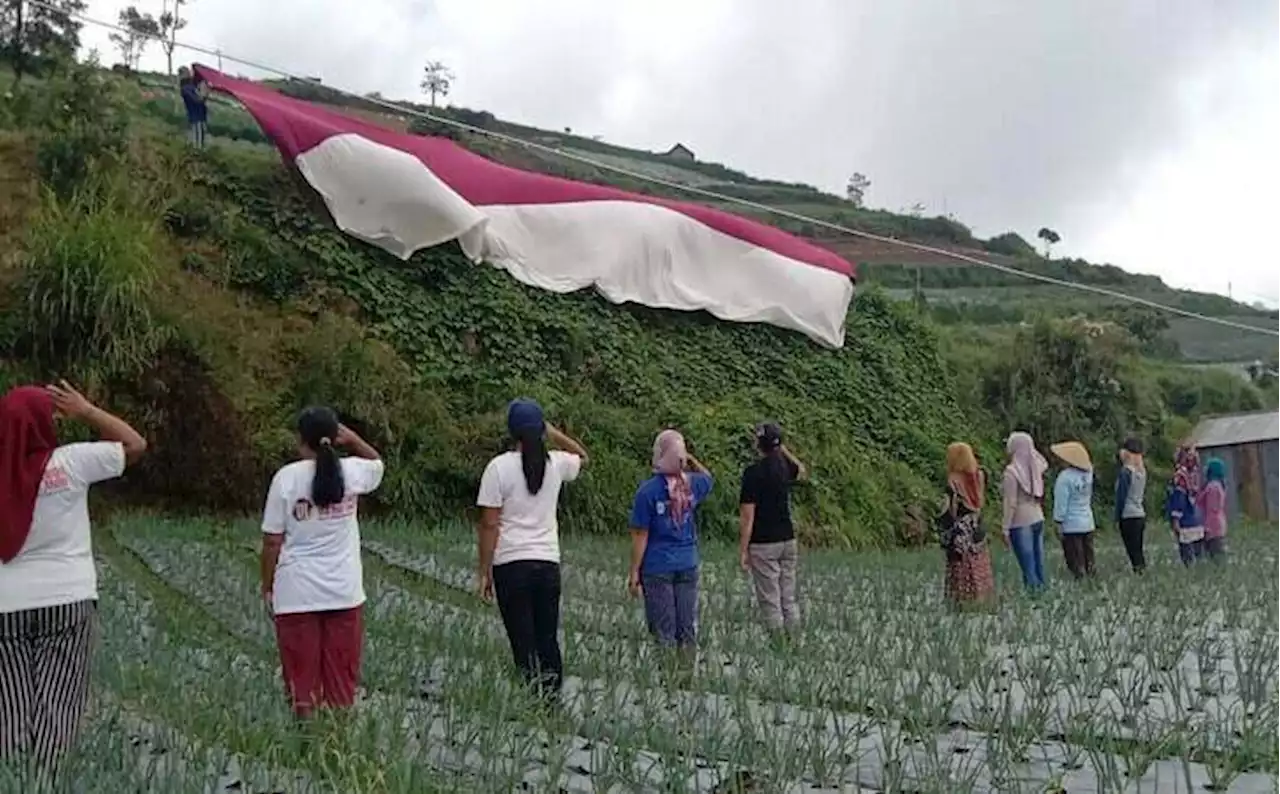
664 542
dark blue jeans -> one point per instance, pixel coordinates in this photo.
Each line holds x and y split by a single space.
1028 547
1191 552
671 606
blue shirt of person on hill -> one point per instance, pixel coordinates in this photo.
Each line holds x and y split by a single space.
671 547
194 102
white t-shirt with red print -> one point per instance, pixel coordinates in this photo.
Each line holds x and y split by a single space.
55 565
319 567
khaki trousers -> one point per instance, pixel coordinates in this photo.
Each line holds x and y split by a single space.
773 571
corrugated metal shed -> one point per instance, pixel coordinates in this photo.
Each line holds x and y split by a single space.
1225 431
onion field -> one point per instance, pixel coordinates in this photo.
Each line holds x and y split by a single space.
1161 683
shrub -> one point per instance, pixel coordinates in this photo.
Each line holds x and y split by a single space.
1010 244
87 277
79 117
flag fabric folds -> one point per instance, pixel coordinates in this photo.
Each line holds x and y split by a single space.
405 192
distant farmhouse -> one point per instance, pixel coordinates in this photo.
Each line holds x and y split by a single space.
680 152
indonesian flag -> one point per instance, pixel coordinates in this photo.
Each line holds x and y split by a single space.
405 192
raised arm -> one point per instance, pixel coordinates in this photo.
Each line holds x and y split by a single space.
351 441
802 473
565 442
74 405
695 465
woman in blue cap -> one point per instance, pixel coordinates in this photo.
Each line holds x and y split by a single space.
519 539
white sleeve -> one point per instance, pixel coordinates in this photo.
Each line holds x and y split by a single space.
570 465
94 462
361 475
490 486
275 513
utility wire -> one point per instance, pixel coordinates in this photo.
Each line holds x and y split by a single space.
690 189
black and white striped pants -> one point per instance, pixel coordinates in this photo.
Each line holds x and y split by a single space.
44 678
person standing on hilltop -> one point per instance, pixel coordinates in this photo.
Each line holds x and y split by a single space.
1131 512
1183 505
767 546
969 580
194 94
48 584
312 578
519 541
664 543
1022 494
1073 507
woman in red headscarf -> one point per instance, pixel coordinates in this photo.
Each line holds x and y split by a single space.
48 586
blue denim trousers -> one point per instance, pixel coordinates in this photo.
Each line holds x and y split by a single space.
671 606
1028 548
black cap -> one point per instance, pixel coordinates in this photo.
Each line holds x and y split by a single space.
1133 445
768 435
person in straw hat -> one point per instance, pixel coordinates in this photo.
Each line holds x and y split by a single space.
1073 506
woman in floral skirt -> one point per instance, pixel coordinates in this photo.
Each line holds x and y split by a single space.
969 580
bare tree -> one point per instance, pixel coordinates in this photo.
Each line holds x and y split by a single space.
1050 238
436 80
139 30
856 190
171 22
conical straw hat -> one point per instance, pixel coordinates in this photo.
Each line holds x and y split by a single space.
1073 454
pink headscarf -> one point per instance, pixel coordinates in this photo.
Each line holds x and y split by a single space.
1027 464
669 456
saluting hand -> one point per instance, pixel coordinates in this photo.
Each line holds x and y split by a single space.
345 436
68 402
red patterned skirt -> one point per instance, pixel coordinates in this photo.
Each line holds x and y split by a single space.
969 577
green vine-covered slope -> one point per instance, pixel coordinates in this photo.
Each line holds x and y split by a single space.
207 296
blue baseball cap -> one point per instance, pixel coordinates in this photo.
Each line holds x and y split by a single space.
524 415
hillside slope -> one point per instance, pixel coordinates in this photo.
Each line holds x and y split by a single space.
207 296
941 281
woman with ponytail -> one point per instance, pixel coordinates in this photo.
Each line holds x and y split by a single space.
664 542
48 584
519 540
312 579
767 539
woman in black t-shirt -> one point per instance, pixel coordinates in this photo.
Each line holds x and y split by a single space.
767 539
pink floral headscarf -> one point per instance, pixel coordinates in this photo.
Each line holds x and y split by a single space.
669 457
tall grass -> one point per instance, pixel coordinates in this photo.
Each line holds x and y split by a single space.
88 275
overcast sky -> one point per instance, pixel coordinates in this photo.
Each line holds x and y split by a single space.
1144 132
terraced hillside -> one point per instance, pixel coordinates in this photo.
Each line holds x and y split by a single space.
944 280
209 295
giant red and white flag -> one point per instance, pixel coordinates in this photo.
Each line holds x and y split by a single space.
405 192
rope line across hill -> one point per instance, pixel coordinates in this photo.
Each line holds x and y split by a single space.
697 191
